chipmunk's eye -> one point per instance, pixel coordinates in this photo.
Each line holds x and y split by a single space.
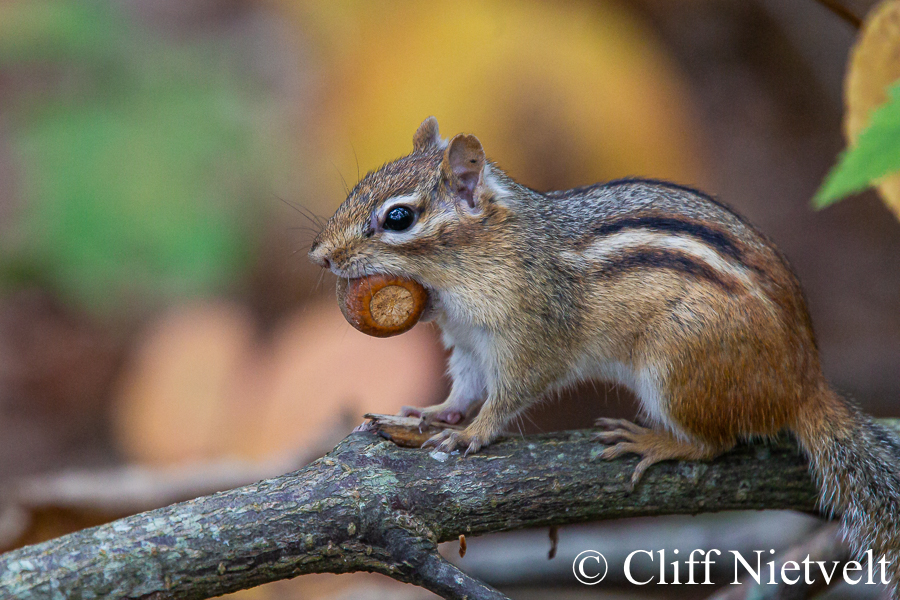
399 218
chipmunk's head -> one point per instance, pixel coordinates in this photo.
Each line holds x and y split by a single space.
412 214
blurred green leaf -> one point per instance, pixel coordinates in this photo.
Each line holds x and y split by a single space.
139 178
875 155
48 30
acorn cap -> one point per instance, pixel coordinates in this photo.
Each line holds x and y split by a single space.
381 305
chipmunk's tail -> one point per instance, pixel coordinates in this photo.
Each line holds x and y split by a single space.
857 465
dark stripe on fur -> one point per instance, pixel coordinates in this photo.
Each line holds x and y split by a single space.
709 236
682 188
657 258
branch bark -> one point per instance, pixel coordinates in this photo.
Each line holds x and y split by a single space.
370 505
30 507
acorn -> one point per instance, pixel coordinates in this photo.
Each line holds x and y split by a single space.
381 305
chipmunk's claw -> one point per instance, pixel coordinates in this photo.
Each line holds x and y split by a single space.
472 448
449 440
628 438
364 426
445 441
621 448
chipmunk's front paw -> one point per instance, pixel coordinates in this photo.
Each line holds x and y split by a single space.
432 414
450 440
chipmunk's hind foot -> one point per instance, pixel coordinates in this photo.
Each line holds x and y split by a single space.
652 445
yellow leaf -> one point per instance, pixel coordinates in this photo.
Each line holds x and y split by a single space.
874 66
560 94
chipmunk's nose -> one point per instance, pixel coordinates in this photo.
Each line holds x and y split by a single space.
319 256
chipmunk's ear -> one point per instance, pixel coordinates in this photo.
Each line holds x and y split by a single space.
463 167
427 136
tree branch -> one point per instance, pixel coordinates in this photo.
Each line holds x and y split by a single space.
370 505
30 507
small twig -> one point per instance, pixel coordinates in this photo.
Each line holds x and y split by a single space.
418 561
407 432
842 11
446 580
554 542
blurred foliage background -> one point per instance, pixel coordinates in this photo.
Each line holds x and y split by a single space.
159 159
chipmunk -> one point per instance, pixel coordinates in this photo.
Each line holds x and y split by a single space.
650 284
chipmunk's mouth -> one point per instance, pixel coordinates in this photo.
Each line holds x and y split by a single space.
431 309
350 274
432 305
355 270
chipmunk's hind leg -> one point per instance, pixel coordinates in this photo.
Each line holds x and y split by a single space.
652 445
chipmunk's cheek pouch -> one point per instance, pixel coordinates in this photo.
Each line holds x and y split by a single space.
381 305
